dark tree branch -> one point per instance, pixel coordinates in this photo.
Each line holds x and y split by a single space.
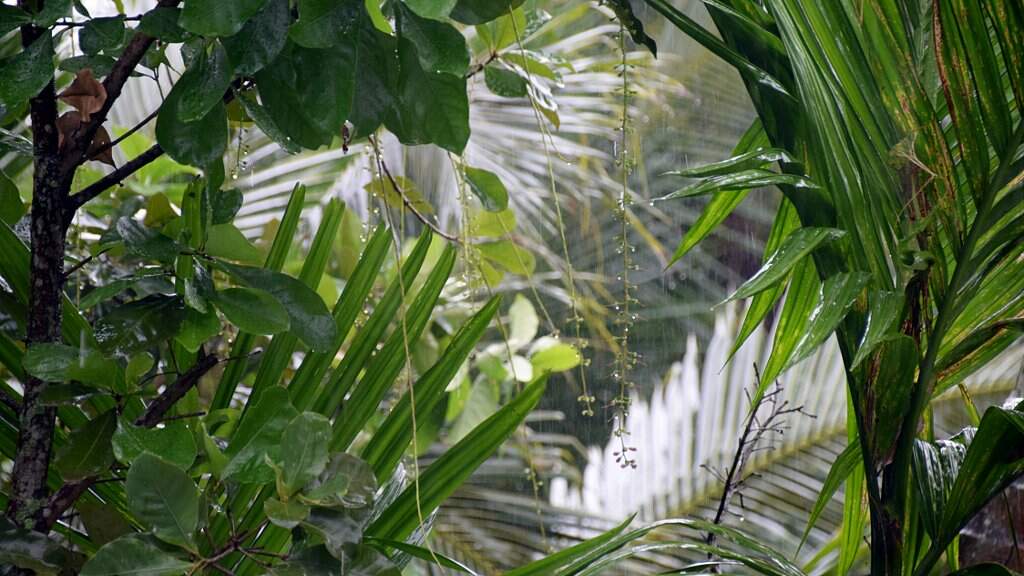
76 201
70 492
173 392
125 136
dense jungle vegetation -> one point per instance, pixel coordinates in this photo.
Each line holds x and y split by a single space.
522 287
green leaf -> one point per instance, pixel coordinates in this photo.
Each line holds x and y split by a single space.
480 11
308 106
503 82
227 241
551 563
287 515
429 556
488 188
440 47
794 248
138 325
258 437
88 451
449 471
133 555
883 317
837 295
523 322
754 159
303 450
719 208
323 23
12 17
346 481
432 107
252 310
935 467
164 498
338 528
50 12
199 143
556 358
260 40
310 320
266 123
224 205
789 329
509 256
102 35
484 400
434 9
146 242
52 362
845 464
218 17
203 84
173 442
624 13
197 328
31 550
492 224
26 73
742 180
162 23
890 394
391 440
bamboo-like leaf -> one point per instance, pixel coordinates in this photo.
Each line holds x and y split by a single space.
385 366
837 295
793 249
845 464
390 441
800 301
719 208
553 562
449 471
424 554
741 180
885 309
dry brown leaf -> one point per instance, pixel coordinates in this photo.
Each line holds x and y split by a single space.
100 149
85 94
66 126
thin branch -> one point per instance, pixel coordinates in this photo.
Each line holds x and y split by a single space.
405 199
173 392
124 136
125 170
83 262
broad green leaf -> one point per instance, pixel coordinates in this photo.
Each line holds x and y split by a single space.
88 451
50 12
508 256
719 208
287 515
102 35
883 317
376 74
303 450
523 322
449 471
558 357
432 107
266 123
323 23
309 317
260 40
133 555
837 295
305 104
146 242
624 14
100 64
164 498
224 205
218 17
845 464
440 46
103 522
338 527
346 481
51 362
173 442
162 23
12 17
30 550
26 73
480 11
199 143
493 224
227 241
138 325
203 84
484 400
407 193
429 556
793 249
488 188
11 206
252 310
435 9
197 328
504 82
258 437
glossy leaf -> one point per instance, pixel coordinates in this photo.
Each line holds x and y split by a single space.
88 451
480 11
260 40
133 555
742 180
199 143
27 72
173 442
218 17
252 310
885 309
837 295
138 325
439 46
841 469
488 188
203 84
322 23
424 554
258 437
304 450
793 249
164 498
102 34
